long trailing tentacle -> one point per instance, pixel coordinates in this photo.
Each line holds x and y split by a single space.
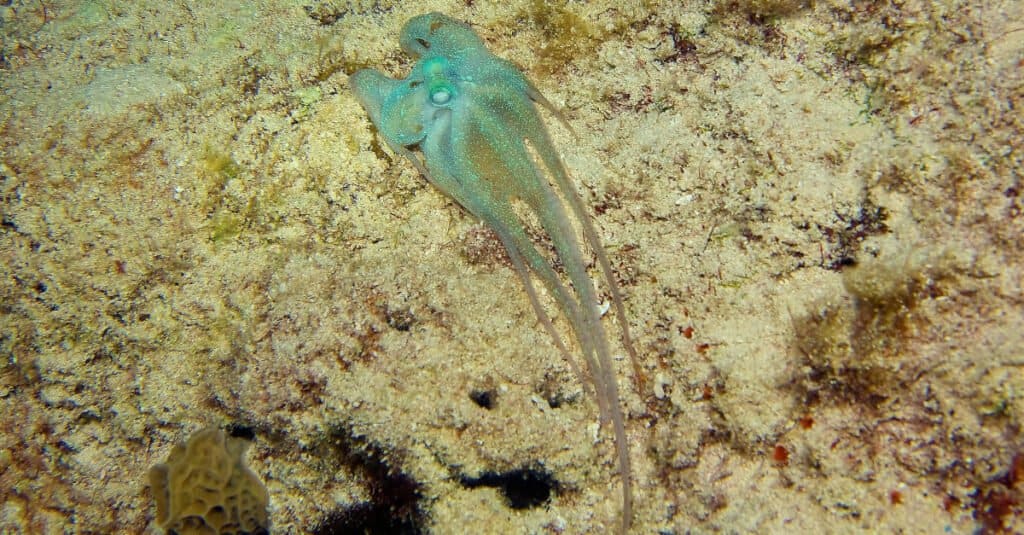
523 113
592 337
531 292
591 334
451 139
532 183
542 144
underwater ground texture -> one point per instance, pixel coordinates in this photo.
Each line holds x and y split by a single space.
814 209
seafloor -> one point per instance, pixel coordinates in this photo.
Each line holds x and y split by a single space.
814 210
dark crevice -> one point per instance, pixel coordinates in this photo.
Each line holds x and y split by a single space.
484 398
523 488
396 503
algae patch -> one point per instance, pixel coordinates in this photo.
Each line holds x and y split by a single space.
853 346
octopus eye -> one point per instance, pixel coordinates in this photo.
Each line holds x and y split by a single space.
440 96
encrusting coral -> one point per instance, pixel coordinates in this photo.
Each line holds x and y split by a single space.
205 488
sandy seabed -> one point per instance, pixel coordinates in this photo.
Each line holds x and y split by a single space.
814 210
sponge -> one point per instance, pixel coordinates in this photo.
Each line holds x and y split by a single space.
205 488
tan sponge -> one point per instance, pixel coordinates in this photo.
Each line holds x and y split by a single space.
205 488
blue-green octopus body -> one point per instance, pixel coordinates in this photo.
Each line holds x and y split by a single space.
473 118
